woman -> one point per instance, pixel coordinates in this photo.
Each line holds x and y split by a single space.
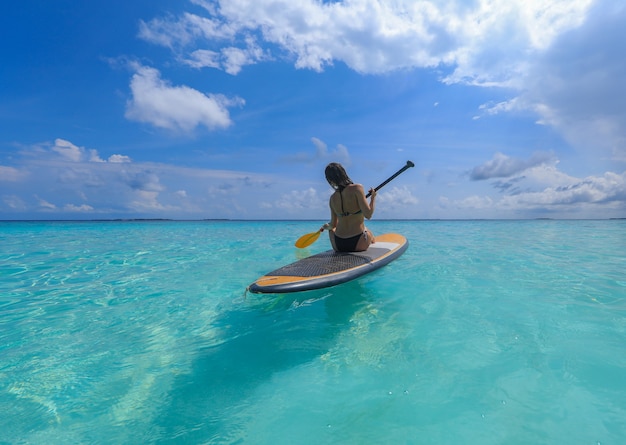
348 210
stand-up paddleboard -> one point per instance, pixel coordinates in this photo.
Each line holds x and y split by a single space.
331 268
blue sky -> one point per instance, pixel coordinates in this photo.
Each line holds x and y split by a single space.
195 109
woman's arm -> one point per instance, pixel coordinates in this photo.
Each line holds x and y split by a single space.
333 220
366 208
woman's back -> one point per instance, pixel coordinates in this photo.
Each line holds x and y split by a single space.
348 208
346 205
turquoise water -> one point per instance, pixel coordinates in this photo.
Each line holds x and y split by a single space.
483 332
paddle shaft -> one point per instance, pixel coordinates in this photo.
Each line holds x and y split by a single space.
408 165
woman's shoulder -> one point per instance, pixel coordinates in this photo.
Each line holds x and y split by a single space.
355 188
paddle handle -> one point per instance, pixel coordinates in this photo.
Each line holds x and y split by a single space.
408 165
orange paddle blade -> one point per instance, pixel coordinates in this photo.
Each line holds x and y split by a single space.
308 239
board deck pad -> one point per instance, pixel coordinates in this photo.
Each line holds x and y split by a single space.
331 268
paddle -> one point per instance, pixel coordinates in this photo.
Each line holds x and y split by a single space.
310 238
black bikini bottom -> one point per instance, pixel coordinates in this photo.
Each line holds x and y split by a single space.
347 244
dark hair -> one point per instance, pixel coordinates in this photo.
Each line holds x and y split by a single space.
336 176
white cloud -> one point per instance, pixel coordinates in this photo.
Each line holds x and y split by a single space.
542 49
174 32
156 102
45 205
575 85
340 154
501 107
11 174
206 4
607 189
483 40
499 37
65 151
236 58
204 58
536 183
84 208
544 189
14 202
68 150
475 202
231 59
95 157
296 201
119 159
125 189
177 33
399 198
158 190
503 166
545 174
146 201
141 180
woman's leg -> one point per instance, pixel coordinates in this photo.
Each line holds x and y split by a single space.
331 236
364 242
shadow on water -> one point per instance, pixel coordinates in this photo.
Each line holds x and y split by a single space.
265 335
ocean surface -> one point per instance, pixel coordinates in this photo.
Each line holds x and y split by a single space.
483 332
